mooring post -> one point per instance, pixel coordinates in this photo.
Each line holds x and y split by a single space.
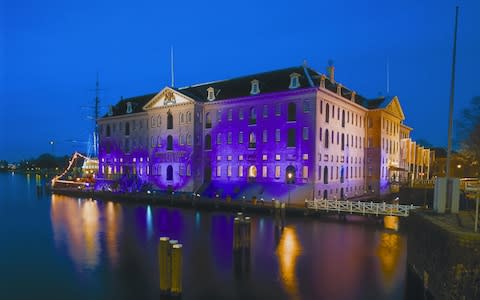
176 275
163 249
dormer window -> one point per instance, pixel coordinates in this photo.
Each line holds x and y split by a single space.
294 81
129 107
255 89
210 94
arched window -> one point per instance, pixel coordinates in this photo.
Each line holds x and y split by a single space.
169 120
252 172
326 138
108 132
292 112
327 112
189 139
127 128
208 142
189 117
252 140
290 174
169 142
208 120
253 116
325 175
343 118
169 172
181 118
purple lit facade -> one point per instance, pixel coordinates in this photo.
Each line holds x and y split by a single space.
290 134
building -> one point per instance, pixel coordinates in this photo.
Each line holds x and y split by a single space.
289 134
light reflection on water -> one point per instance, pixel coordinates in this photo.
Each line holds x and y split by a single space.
310 259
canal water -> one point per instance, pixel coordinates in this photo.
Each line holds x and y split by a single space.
58 247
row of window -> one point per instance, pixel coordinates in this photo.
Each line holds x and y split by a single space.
345 116
389 146
344 192
342 139
344 172
252 171
252 113
341 159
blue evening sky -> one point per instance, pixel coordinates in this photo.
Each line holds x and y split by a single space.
50 52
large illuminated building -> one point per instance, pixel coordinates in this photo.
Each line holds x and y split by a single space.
289 134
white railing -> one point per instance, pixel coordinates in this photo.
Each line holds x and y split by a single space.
360 207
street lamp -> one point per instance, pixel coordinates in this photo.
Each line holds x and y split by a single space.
52 143
289 176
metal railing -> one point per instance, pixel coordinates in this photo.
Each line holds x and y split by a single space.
360 207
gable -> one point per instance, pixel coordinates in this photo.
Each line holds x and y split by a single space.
168 97
395 108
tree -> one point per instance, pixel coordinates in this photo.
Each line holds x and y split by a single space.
469 131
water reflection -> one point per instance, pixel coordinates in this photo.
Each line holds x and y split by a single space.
288 250
391 254
77 228
113 214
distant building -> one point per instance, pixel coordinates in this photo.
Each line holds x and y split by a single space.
290 133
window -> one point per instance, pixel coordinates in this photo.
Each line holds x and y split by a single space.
219 171
127 146
319 172
265 136
320 133
264 171
305 156
321 106
208 142
219 115
169 142
252 141
208 120
255 88
325 175
253 116
370 123
229 138
294 81
229 171
127 128
182 119
219 138
370 142
169 120
129 108
278 109
305 133
264 157
229 157
189 170
210 94
327 112
291 141
326 138
343 118
305 172
230 113
169 172
306 106
342 175
265 111
292 112
240 137
240 114
189 139
108 133
240 171
189 117
277 171
277 135
343 141
277 156
240 157
181 139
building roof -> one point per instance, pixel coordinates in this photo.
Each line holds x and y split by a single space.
269 82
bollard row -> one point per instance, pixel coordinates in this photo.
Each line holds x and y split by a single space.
170 266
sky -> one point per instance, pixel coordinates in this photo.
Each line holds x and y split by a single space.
51 51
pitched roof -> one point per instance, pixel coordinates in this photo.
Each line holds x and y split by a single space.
269 82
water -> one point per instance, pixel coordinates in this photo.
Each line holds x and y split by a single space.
58 247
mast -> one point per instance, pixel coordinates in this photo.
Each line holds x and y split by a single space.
96 116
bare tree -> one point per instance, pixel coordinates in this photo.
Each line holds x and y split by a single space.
469 131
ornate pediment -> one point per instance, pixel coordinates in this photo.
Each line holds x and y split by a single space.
167 97
395 108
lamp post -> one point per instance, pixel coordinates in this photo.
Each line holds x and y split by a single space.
289 176
52 143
